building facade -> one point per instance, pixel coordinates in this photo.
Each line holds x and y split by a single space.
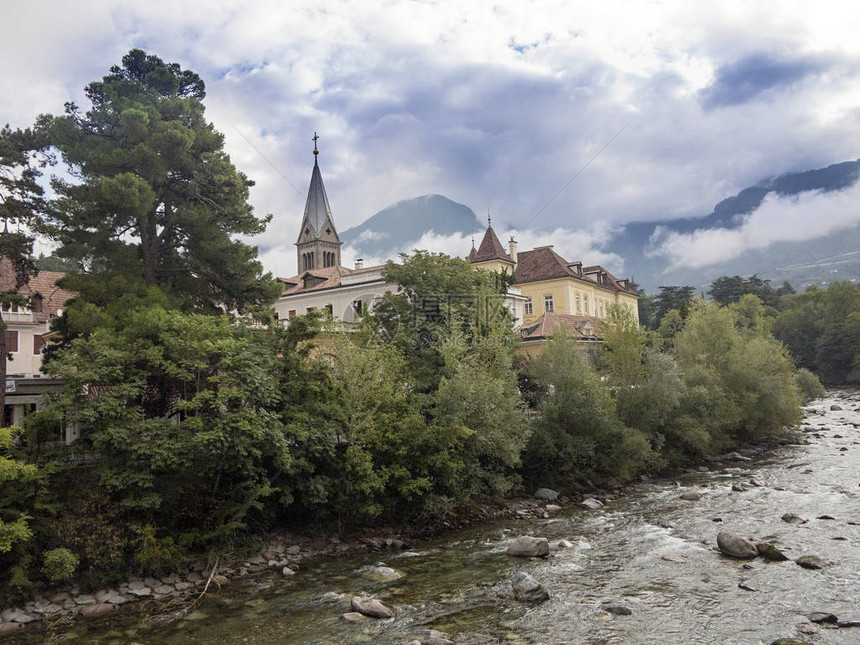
26 327
555 293
324 284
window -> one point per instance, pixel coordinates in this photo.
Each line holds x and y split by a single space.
357 307
585 299
277 316
578 304
38 343
529 307
292 313
11 341
547 304
36 302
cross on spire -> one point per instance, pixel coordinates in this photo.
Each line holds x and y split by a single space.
489 220
315 139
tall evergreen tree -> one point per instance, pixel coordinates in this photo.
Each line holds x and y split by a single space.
673 297
154 198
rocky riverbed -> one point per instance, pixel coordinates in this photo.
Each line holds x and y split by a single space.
656 565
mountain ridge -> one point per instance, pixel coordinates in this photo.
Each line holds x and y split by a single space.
817 260
403 223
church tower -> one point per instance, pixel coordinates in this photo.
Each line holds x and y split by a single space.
318 246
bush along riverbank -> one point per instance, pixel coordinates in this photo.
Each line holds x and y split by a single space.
171 597
729 476
223 433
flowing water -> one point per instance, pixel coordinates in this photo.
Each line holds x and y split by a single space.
648 550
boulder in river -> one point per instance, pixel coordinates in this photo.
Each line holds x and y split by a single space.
617 608
691 496
769 551
822 617
790 641
735 545
546 494
527 546
527 589
591 504
382 573
371 607
791 518
836 408
811 562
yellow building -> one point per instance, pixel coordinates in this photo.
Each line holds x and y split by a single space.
557 293
551 284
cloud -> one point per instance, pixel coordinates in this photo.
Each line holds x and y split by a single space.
752 75
803 217
491 104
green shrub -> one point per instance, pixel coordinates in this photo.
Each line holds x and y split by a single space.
60 564
156 555
809 385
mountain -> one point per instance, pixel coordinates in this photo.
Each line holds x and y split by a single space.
402 224
815 261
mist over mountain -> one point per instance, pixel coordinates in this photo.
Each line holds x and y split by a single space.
817 260
817 256
398 226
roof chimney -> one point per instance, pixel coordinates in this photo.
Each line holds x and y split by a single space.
512 249
359 263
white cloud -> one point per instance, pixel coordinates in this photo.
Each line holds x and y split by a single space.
779 219
492 104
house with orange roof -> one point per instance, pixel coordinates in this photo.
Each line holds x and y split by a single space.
26 328
558 294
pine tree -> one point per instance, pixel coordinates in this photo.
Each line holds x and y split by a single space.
155 200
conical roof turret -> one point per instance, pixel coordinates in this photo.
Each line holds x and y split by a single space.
317 209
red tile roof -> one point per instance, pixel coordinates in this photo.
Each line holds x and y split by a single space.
575 326
43 284
490 249
321 279
543 263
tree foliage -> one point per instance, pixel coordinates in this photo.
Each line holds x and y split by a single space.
153 196
673 297
578 435
726 290
180 408
821 329
22 156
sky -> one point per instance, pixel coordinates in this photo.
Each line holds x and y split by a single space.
565 120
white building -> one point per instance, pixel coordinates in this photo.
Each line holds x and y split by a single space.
324 284
26 327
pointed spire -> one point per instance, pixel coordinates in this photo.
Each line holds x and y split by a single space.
491 248
317 209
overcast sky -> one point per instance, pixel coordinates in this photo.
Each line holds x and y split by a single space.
497 105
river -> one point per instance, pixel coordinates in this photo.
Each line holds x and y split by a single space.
647 550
